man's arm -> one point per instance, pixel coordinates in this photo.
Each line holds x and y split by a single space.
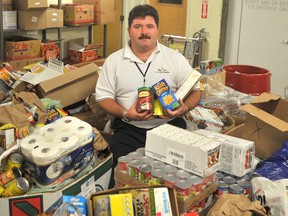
193 99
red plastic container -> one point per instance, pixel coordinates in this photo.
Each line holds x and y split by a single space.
248 79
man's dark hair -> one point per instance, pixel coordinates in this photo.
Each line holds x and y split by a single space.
143 11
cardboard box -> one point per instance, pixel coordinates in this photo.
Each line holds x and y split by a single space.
96 179
184 149
9 20
183 204
77 52
76 14
6 5
19 64
171 193
31 4
19 48
266 123
31 20
70 87
237 155
50 49
104 10
54 18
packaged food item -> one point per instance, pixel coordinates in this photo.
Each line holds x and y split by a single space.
165 95
145 100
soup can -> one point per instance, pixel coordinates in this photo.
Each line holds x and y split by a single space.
235 189
183 188
122 164
133 168
145 173
157 165
145 100
182 174
9 175
16 187
169 169
222 188
14 160
135 155
146 160
169 180
157 175
246 185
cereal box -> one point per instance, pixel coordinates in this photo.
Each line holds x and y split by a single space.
165 95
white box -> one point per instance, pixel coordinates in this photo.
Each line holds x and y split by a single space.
184 149
237 155
9 20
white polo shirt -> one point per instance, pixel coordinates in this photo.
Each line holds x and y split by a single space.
120 77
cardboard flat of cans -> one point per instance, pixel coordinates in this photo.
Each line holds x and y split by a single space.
184 149
237 154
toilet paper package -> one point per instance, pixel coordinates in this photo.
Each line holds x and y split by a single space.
58 151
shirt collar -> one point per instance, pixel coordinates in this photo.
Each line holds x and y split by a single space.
128 53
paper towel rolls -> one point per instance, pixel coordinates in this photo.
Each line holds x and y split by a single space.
29 143
84 131
66 142
54 140
67 121
43 155
48 130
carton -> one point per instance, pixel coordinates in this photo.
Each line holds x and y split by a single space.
171 194
184 204
50 49
237 154
54 18
184 149
79 53
31 20
96 179
31 4
9 20
19 48
70 87
104 10
76 14
266 124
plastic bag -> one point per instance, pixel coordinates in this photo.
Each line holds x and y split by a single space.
275 167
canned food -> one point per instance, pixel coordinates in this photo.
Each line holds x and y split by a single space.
183 188
133 168
25 131
122 164
157 165
168 169
146 160
222 188
246 185
235 189
9 175
135 155
16 187
30 117
182 174
229 180
157 175
169 180
145 173
141 151
14 160
219 176
145 100
196 182
254 174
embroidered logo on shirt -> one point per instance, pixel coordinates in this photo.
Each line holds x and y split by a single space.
162 70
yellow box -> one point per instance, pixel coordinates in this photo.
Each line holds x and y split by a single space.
113 204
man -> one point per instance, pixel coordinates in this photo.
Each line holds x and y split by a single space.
142 62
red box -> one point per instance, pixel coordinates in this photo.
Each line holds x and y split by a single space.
50 49
80 53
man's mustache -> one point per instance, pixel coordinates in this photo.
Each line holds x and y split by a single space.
144 36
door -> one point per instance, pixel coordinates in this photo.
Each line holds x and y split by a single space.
263 38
